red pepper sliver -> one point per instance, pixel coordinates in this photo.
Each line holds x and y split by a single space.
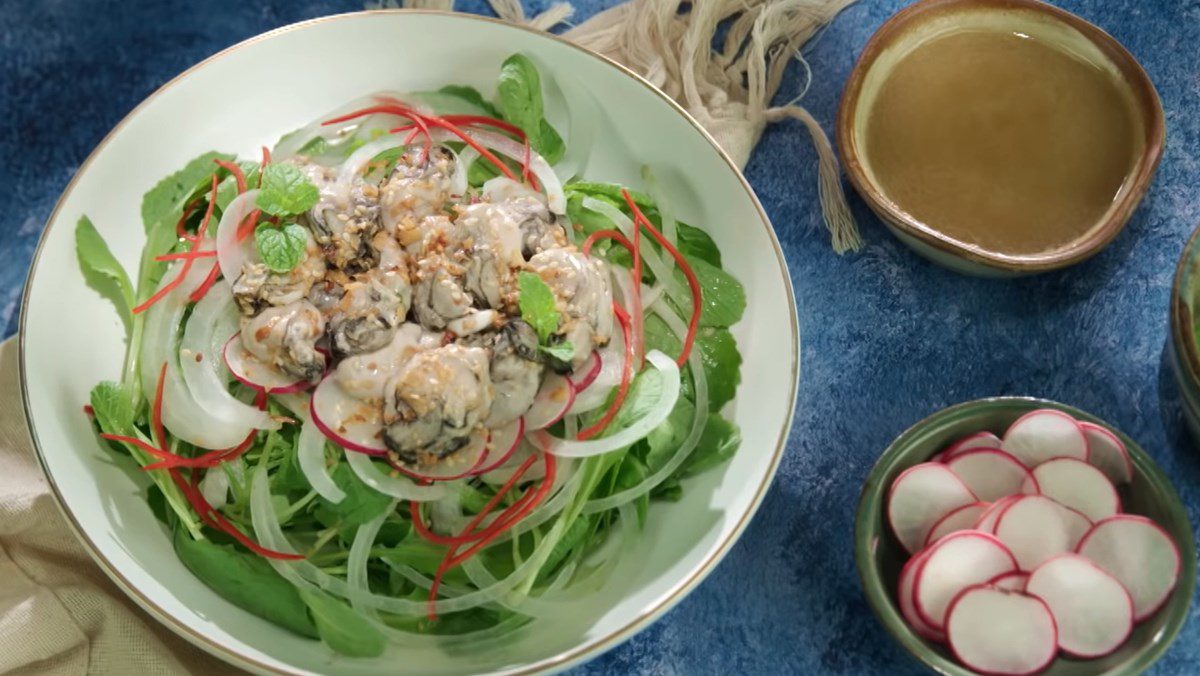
626 378
238 175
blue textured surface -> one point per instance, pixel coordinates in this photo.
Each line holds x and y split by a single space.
887 337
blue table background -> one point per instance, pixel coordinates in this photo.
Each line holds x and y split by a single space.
887 338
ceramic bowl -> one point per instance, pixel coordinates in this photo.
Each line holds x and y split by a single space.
64 353
879 555
929 18
1184 351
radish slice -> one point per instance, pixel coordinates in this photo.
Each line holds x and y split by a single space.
551 403
1044 434
990 473
987 520
1140 554
994 631
953 564
463 462
253 372
1014 581
501 445
1037 528
970 442
347 421
908 608
919 497
586 375
1093 612
1078 485
962 518
1108 453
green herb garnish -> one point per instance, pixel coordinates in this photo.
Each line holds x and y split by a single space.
281 249
286 191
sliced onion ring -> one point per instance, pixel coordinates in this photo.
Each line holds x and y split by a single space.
638 430
232 254
254 373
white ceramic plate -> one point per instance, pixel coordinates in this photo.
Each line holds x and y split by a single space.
241 99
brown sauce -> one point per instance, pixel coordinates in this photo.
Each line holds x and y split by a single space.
1001 141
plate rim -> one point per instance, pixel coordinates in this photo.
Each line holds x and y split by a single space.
588 649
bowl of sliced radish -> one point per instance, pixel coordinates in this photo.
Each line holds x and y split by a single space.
1016 536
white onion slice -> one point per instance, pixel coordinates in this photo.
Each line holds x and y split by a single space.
654 417
700 385
310 452
210 324
232 254
215 487
399 487
515 150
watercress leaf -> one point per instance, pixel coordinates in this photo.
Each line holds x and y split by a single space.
247 581
656 335
550 145
361 503
281 249
285 191
664 440
481 171
630 473
475 103
574 536
643 394
612 193
718 443
693 242
102 270
669 490
722 364
159 507
165 199
341 628
538 306
561 351
112 407
723 299
519 95
419 553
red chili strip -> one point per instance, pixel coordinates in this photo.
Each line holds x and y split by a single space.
697 301
187 263
246 227
626 377
238 176
179 225
414 509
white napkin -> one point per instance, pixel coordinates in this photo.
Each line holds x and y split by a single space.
59 613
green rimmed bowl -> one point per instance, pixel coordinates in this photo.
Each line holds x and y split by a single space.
1183 346
879 555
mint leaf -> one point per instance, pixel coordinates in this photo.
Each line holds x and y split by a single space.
286 191
167 196
539 308
102 270
561 351
281 249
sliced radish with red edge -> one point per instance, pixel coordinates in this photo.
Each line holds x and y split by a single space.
551 403
1043 434
957 561
1014 581
1139 554
257 374
347 421
908 608
987 520
962 518
586 374
1093 611
920 496
1036 528
970 442
1108 453
996 631
501 445
1076 484
990 473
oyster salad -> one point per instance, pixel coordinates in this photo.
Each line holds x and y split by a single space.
410 375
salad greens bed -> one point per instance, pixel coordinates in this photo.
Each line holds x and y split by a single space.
400 561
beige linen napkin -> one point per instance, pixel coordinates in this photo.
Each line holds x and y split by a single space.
59 614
